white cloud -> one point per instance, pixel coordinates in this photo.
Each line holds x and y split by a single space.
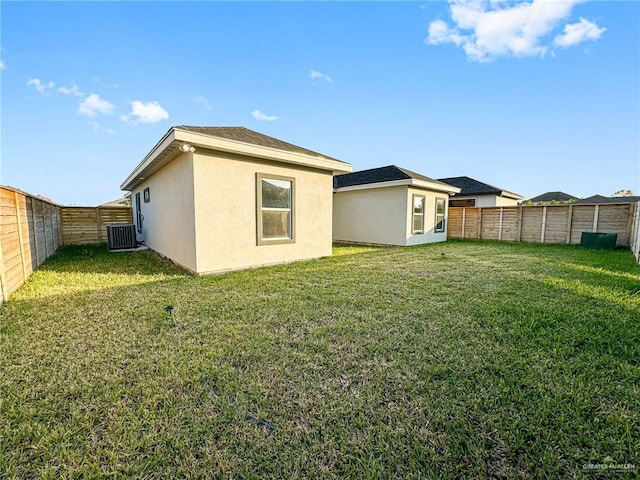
93 106
258 115
73 90
203 102
576 33
41 88
2 65
315 75
487 29
149 112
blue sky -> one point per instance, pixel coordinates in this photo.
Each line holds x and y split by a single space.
530 96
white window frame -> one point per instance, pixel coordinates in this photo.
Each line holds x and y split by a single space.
260 209
415 231
442 215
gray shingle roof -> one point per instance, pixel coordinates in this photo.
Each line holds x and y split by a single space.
470 186
378 175
244 135
552 196
597 199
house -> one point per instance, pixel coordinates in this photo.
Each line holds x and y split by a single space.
390 206
599 199
215 199
119 202
549 198
474 193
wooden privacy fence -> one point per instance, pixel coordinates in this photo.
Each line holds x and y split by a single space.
635 233
30 231
88 225
543 224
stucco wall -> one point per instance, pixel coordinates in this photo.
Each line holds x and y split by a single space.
376 215
429 235
505 202
225 213
169 225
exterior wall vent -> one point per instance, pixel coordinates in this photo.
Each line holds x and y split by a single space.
121 236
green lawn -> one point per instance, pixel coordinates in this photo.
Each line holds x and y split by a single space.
457 360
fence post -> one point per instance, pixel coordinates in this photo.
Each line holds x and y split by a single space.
44 222
464 216
20 237
500 225
569 224
595 218
544 223
3 280
520 215
35 229
479 223
99 224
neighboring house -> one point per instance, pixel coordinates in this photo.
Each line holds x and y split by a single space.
390 206
120 202
215 199
474 193
599 199
551 198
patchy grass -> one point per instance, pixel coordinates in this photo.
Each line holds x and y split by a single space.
457 360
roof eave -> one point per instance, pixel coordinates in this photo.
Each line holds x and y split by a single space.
512 195
197 140
409 182
437 186
135 177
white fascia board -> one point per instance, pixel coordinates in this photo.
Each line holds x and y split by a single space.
438 187
409 182
515 196
161 146
267 153
368 186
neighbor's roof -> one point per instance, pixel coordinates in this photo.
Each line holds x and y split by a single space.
596 199
471 186
552 196
390 173
235 140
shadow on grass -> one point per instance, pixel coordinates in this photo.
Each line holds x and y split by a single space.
98 259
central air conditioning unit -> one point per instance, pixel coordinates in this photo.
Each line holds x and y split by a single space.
120 237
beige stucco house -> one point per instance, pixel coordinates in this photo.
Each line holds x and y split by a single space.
390 206
215 199
474 193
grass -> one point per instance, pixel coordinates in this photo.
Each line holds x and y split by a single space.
457 360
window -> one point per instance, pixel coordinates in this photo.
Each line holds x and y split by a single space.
440 208
275 213
470 202
418 214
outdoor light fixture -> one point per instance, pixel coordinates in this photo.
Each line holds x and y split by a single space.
185 147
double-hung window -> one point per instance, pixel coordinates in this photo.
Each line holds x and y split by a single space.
275 209
441 204
418 214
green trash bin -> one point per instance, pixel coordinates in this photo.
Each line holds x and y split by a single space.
599 240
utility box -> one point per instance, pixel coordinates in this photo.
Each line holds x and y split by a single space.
598 240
